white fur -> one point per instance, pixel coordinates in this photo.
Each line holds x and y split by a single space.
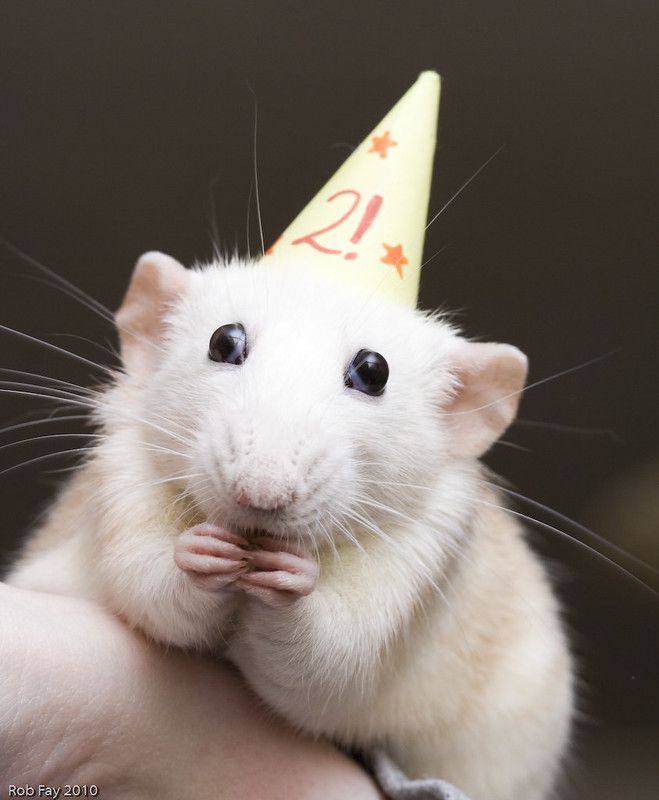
432 630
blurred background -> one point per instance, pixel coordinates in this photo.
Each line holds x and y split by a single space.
129 126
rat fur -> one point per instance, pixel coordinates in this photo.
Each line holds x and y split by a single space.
346 552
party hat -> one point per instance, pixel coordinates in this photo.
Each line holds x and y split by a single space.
366 226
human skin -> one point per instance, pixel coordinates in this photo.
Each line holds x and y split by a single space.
86 700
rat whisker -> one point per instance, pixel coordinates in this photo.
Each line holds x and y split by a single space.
54 348
434 256
83 297
33 413
39 376
84 400
44 421
533 385
186 428
205 492
52 390
45 457
64 470
171 478
256 170
168 420
345 531
364 500
189 505
366 523
360 463
160 449
562 428
553 529
73 291
59 398
136 418
397 483
247 221
581 528
52 436
556 514
329 539
111 351
187 512
212 213
464 186
513 446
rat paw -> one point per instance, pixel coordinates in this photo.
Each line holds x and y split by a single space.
280 575
213 558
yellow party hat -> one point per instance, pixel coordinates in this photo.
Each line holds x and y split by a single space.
366 226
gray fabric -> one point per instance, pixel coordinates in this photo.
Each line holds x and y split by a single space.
397 786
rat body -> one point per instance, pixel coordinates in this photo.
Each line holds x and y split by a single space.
342 548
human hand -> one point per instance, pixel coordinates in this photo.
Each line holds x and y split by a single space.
86 701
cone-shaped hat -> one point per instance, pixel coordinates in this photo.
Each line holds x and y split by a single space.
366 225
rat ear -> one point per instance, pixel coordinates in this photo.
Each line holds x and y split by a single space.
157 281
490 378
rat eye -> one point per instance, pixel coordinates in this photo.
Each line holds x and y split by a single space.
367 372
228 344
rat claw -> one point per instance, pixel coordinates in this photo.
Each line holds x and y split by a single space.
206 529
210 556
285 561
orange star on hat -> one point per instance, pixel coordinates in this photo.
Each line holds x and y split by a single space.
377 197
381 144
395 256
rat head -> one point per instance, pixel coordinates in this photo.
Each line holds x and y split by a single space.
281 402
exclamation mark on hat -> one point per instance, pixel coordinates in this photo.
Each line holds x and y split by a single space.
369 215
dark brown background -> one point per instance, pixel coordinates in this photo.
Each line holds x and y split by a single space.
119 118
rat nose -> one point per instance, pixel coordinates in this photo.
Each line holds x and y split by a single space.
249 494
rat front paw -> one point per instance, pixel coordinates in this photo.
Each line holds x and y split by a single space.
213 558
281 574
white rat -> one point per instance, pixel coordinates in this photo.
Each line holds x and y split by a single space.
289 473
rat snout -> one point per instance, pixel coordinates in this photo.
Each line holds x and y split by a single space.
271 467
263 490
